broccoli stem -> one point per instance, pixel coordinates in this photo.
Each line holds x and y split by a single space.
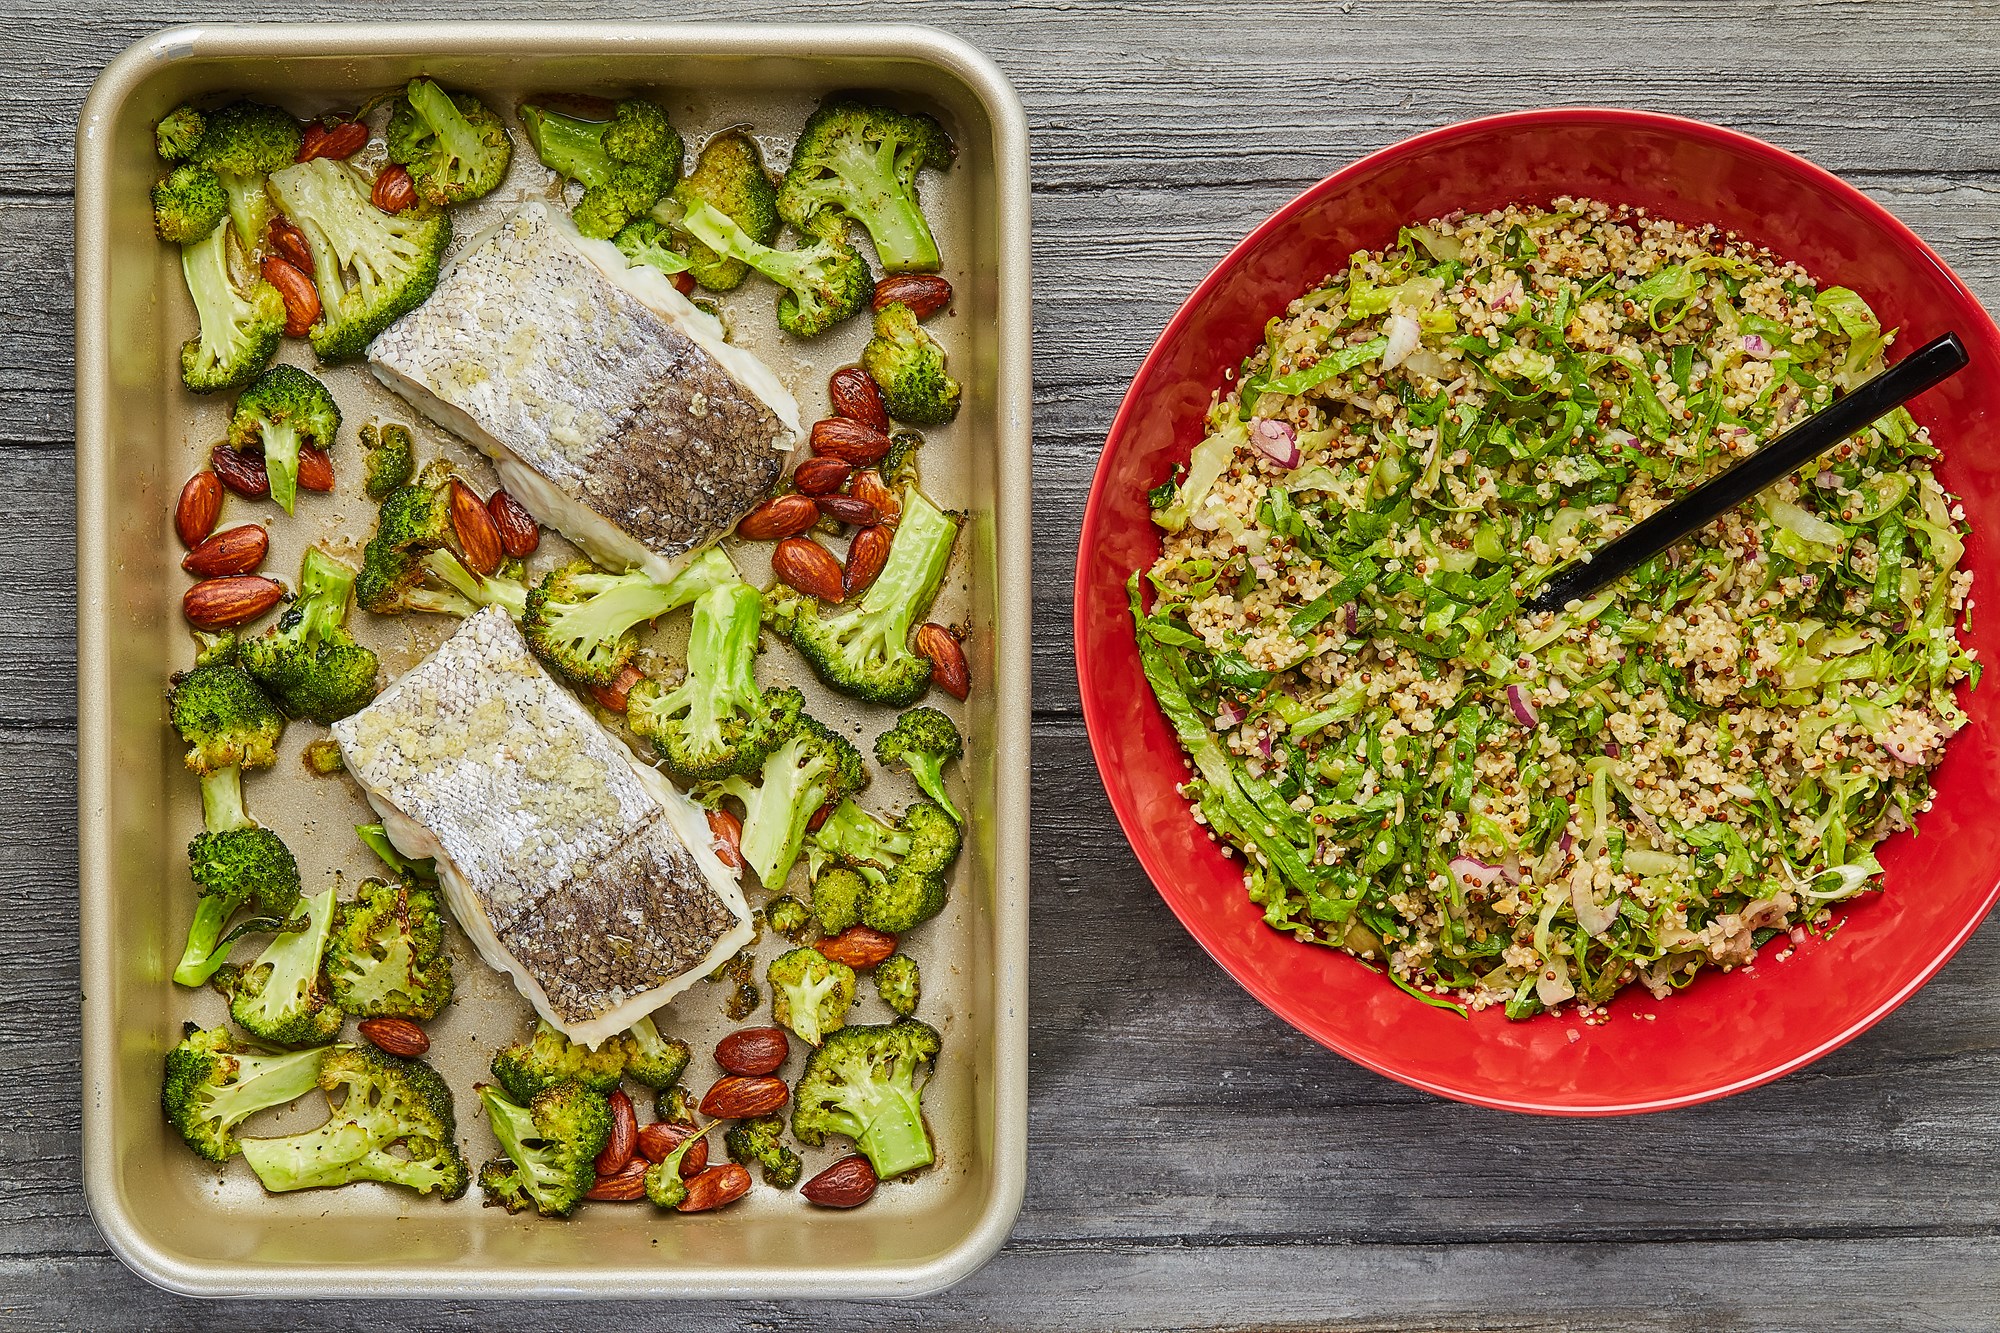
205 264
568 146
249 205
263 1081
893 1138
281 461
510 596
453 130
324 586
205 952
222 801
902 236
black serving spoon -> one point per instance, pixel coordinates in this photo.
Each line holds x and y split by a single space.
1930 365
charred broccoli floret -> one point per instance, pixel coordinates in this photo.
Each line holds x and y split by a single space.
408 565
788 916
211 1085
390 452
240 328
387 954
648 241
243 143
281 410
905 864
395 1124
909 364
811 767
761 1142
729 177
454 146
548 1058
234 865
862 1082
676 1104
838 893
370 267
825 280
865 651
308 661
810 993
189 204
899 983
624 164
861 163
281 997
923 741
580 620
652 1059
551 1144
716 721
179 133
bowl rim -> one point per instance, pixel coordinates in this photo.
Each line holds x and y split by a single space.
1097 727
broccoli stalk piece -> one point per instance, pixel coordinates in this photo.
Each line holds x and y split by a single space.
788 916
811 767
386 954
281 996
729 177
239 328
551 1145
865 652
391 458
408 566
651 1059
810 993
179 133
283 409
308 661
861 163
370 267
624 164
377 839
909 364
825 280
760 1142
580 620
453 145
664 1185
211 1085
188 204
716 721
837 893
548 1058
923 741
395 1124
903 864
862 1083
899 983
243 143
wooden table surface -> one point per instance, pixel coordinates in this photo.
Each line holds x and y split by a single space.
1194 1162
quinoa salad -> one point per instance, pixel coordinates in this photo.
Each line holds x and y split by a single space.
1534 810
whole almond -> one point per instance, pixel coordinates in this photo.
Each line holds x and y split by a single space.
948 669
869 486
240 472
519 533
848 1183
339 142
735 1097
624 1136
683 283
855 395
315 469
289 244
622 1186
393 191
695 1161
847 509
860 947
478 534
924 293
715 1187
819 817
397 1036
778 517
841 437
802 563
656 1142
225 603
725 834
236 550
300 296
199 506
315 135
866 555
615 695
753 1052
821 475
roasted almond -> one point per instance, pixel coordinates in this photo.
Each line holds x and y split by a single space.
848 1183
869 486
624 1136
296 289
225 603
199 506
753 1052
393 190
841 437
923 293
821 475
715 1187
866 555
778 517
240 472
519 533
695 1161
614 696
819 817
478 534
802 563
855 395
397 1036
657 1141
622 1186
315 469
315 135
725 834
847 509
860 947
683 283
338 141
948 669
289 244
236 550
738 1098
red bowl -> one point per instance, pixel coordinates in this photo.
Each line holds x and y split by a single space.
1724 1033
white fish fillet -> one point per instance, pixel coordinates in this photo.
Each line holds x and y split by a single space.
611 407
583 875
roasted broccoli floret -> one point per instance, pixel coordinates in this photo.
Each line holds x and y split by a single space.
283 409
395 1124
551 1144
923 741
240 328
651 1059
861 162
729 177
179 133
282 997
676 1104
211 1085
862 1082
899 983
761 1142
909 364
664 1185
308 661
580 620
812 766
243 143
810 993
788 916
234 866
624 164
370 267
716 721
865 651
387 955
227 722
454 146
647 241
825 280
905 864
838 893
188 204
548 1058
408 565
390 452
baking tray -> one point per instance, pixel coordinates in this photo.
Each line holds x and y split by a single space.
201 1230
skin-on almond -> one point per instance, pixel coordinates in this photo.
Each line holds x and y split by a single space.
615 695
866 555
225 603
869 486
315 469
848 1183
478 534
822 475
924 293
237 550
802 563
725 833
855 395
240 472
860 947
948 670
839 437
338 142
520 535
737 1098
397 1036
289 244
847 509
657 1141
753 1052
715 1187
628 1184
624 1136
393 191
197 509
779 517
300 296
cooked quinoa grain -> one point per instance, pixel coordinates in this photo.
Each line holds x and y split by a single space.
1528 810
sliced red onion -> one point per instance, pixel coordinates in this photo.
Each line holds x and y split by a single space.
1565 841
1614 749
1403 340
1472 874
1755 344
1524 709
1353 619
1623 439
1510 868
1264 745
1227 715
1826 480
1276 440
1903 752
1263 568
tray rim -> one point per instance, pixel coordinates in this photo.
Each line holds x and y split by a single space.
1012 650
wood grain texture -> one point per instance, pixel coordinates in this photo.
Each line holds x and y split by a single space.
1195 1162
